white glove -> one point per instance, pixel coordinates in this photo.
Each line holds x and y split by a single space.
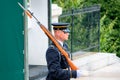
78 73
82 73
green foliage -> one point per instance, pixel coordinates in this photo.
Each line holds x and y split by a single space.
109 21
110 27
110 37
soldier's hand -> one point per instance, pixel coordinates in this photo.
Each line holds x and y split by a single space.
82 73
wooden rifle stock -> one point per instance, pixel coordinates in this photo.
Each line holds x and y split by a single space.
52 38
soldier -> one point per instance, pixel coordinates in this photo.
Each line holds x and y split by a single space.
58 68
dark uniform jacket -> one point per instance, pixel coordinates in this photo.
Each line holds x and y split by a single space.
58 68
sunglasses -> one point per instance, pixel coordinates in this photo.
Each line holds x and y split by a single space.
66 31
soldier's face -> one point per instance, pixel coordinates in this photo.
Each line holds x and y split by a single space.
61 35
64 36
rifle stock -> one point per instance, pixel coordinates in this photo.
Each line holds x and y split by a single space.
52 38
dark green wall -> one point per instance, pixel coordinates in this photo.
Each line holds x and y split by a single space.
11 40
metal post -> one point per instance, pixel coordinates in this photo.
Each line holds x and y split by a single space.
49 18
99 32
26 65
72 33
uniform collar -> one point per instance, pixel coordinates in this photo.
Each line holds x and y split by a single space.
61 43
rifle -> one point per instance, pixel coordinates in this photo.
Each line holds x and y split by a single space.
51 37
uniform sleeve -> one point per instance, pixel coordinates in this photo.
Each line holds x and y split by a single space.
54 67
